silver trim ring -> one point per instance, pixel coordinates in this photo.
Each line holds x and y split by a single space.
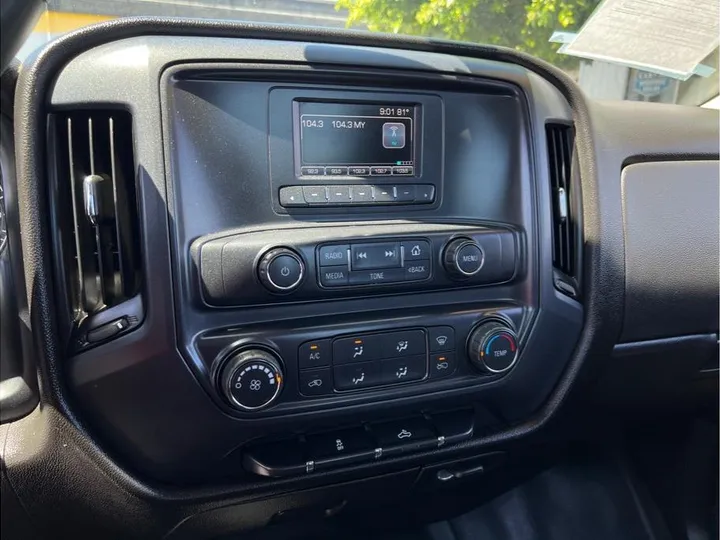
287 253
271 362
492 334
457 255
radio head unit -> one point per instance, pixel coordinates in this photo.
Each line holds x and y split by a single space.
360 150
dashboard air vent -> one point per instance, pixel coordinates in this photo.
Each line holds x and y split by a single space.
97 217
560 141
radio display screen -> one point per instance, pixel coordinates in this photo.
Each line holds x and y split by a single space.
356 139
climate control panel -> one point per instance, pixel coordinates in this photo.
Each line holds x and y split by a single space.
360 361
276 369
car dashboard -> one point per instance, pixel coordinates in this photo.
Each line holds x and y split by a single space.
268 269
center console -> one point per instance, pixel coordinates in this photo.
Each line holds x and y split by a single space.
375 253
358 250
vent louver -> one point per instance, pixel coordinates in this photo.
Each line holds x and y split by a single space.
560 141
97 217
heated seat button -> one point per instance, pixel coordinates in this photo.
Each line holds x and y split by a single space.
316 382
313 354
404 436
354 376
399 370
338 448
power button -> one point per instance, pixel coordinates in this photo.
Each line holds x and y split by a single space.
281 270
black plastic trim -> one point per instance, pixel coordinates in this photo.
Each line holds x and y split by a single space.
18 383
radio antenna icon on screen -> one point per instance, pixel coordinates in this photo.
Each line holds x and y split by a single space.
393 135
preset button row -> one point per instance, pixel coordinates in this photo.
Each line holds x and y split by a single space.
350 195
397 170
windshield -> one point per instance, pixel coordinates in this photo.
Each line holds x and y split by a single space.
642 50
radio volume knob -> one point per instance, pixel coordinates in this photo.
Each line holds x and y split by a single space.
251 379
463 258
281 270
492 347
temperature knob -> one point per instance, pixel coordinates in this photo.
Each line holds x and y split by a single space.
251 379
492 347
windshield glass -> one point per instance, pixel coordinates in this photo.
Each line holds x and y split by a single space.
642 50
